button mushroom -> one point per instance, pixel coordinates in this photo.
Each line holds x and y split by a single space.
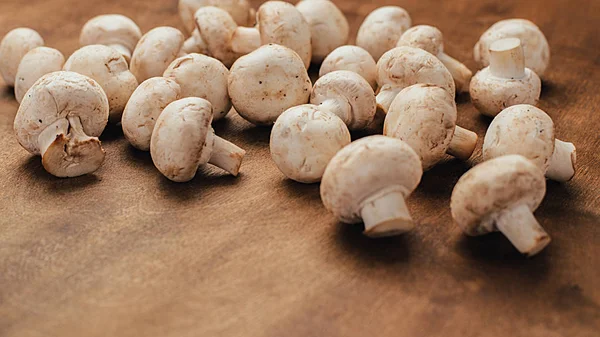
537 50
216 28
529 131
195 44
60 118
501 195
112 30
108 67
424 116
370 180
155 51
266 82
506 81
431 39
35 64
13 47
351 58
381 30
183 140
240 11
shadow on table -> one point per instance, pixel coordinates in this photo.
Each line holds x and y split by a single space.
206 178
296 190
34 170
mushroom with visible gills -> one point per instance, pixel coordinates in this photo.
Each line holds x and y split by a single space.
13 47
35 64
240 10
382 29
112 30
155 51
351 58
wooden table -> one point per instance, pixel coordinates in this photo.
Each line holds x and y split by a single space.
124 252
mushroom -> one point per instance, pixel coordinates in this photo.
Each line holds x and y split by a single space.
402 67
266 82
370 180
240 11
35 64
143 108
501 195
329 27
382 29
216 28
60 118
529 131
195 44
537 50
112 30
506 81
155 51
431 40
351 58
13 47
183 140
108 67
424 116
204 77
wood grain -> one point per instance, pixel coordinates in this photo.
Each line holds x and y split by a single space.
124 252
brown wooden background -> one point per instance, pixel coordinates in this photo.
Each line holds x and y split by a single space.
124 252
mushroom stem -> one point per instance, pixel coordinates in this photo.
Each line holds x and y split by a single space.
507 59
385 99
245 40
343 111
122 50
462 144
522 229
226 155
194 44
461 74
562 162
386 215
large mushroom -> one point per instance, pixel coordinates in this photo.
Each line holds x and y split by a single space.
240 11
351 58
381 30
155 51
13 47
112 30
35 64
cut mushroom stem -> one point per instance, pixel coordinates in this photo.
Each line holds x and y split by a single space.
507 59
522 229
462 144
245 40
562 162
385 99
226 155
386 214
461 74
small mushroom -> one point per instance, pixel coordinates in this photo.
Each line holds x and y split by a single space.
195 44
266 82
60 118
329 27
112 30
501 195
424 116
382 29
537 50
506 81
240 11
13 47
216 28
183 140
108 67
351 58
35 64
155 51
369 180
529 131
431 40
143 108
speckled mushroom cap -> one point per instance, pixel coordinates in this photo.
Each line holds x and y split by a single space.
113 30
367 167
492 187
537 50
351 58
35 64
328 25
155 51
216 27
268 81
205 77
426 37
13 47
381 30
240 11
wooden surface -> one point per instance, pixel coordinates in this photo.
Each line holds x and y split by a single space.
124 252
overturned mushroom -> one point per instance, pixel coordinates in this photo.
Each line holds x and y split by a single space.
113 30
13 47
155 51
351 58
381 30
240 11
35 64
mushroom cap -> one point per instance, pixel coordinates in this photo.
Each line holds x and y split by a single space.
111 29
328 25
524 130
494 186
365 168
535 45
182 138
143 108
35 64
381 30
13 47
428 38
423 116
155 51
351 93
205 77
59 95
240 11
303 141
404 66
216 27
351 58
268 81
108 67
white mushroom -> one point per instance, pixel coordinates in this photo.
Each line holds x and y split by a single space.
369 180
537 50
195 44
381 30
60 118
501 195
183 140
13 47
506 81
155 51
35 64
351 58
240 11
424 116
431 39
216 28
529 131
112 30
